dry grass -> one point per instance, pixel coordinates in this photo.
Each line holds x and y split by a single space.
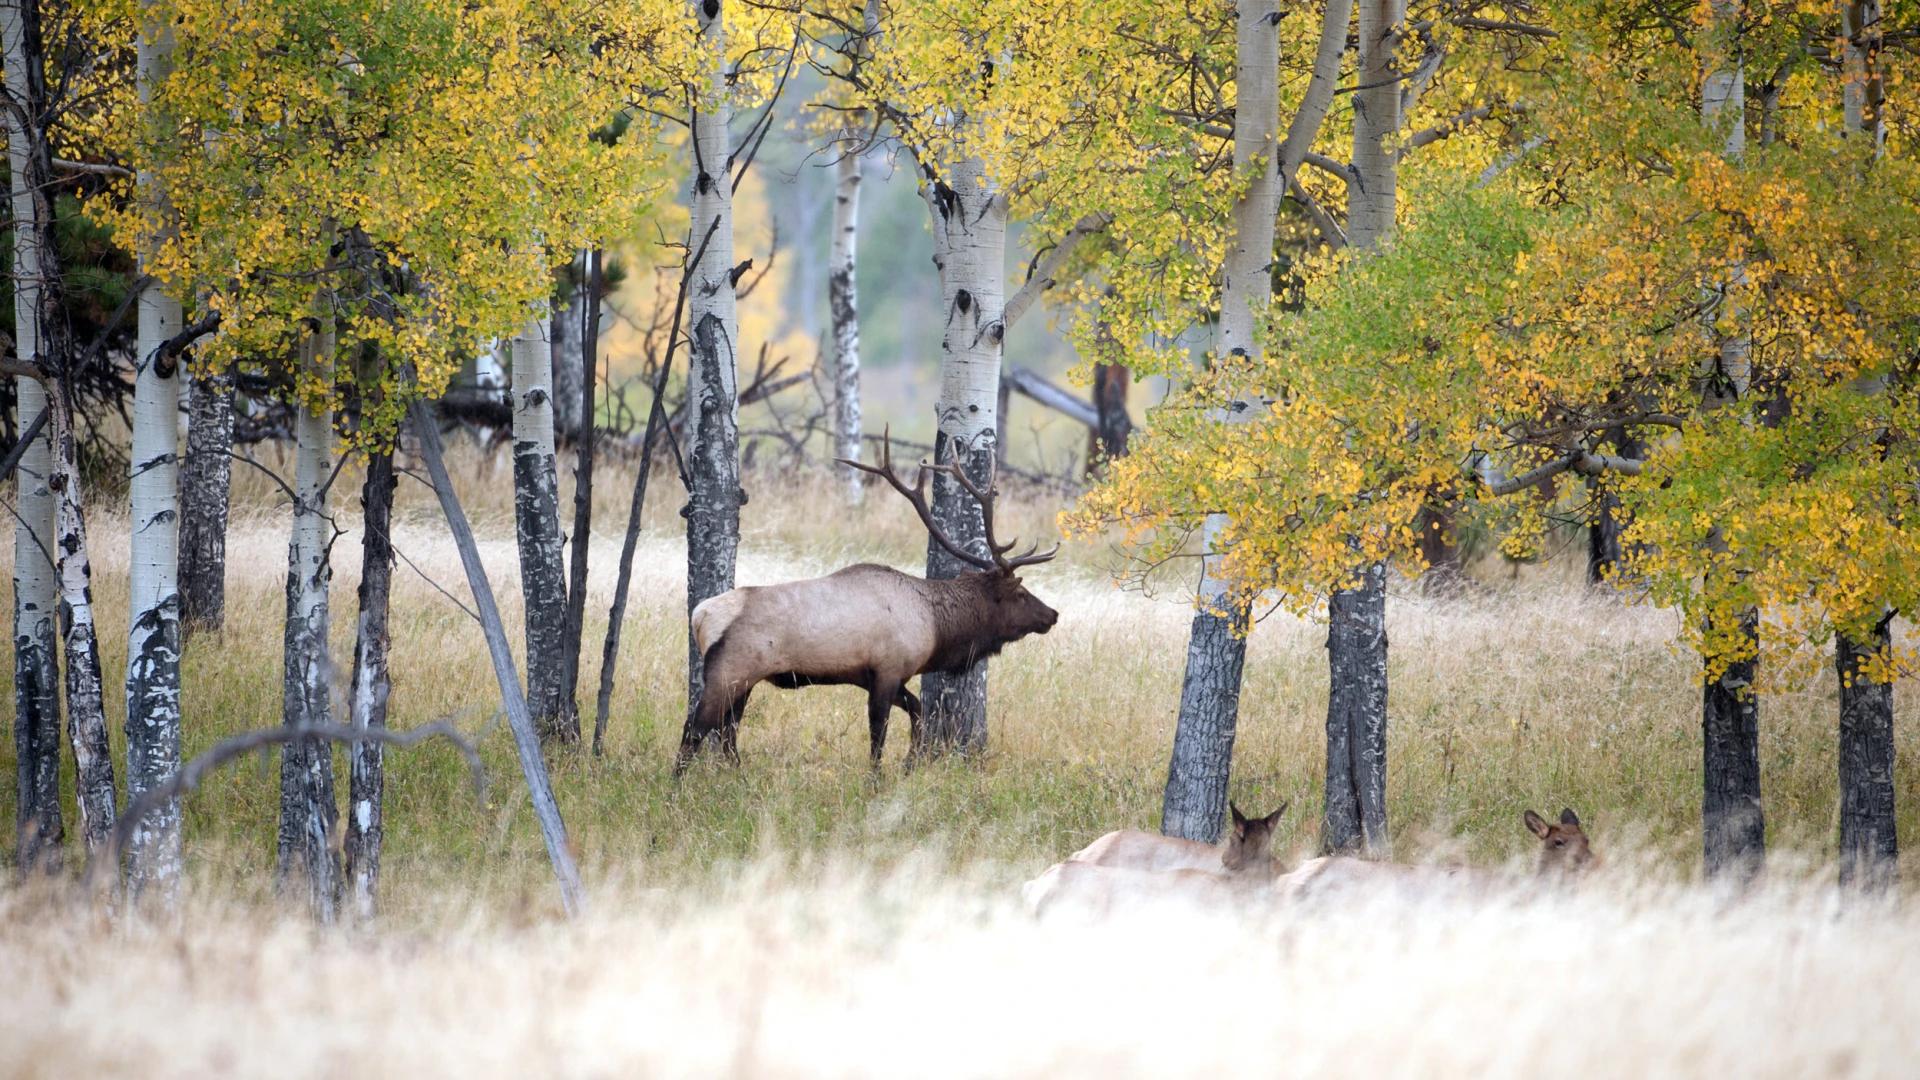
794 917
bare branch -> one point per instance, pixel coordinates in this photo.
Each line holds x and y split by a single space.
1048 265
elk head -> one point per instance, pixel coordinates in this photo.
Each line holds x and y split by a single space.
1563 844
1247 843
1018 612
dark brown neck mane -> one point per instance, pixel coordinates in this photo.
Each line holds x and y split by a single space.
968 619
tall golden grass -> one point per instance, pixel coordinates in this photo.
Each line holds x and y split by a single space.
797 916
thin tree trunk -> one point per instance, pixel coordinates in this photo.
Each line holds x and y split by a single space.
1869 844
568 339
153 622
1608 519
526 741
970 236
39 830
1356 814
371 685
86 696
583 478
1869 847
307 807
1733 828
206 482
536 513
843 304
713 451
1195 802
36 587
1357 636
1111 384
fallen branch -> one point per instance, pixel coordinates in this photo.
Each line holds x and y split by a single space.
1055 397
190 775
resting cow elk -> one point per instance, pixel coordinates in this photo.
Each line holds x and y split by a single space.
1243 849
1564 854
868 626
1130 867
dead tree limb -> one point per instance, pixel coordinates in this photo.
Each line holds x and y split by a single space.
1052 395
190 775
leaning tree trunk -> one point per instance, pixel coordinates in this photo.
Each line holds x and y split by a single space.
843 303
86 695
970 239
1869 847
306 767
153 621
1195 802
36 586
1356 796
206 481
366 798
526 741
536 514
1733 828
713 450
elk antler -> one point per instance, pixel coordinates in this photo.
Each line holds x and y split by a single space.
917 496
957 470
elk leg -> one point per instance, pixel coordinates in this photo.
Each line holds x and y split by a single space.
911 706
879 704
700 727
730 727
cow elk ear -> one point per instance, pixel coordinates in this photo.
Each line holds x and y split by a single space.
1273 819
1537 825
1568 817
1239 819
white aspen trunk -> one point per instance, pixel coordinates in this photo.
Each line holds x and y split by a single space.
1733 826
153 620
536 506
714 495
366 828
1195 802
1355 815
843 305
307 808
86 695
36 589
969 215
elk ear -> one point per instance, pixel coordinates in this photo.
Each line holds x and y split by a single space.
1273 819
1568 817
1537 825
1239 819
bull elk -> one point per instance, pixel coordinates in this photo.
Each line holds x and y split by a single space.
866 625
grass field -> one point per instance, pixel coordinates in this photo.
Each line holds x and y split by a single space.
795 916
